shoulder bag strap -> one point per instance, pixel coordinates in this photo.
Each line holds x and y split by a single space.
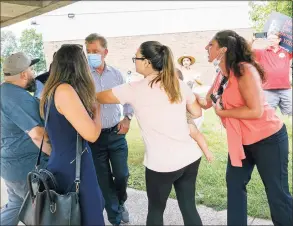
79 146
46 121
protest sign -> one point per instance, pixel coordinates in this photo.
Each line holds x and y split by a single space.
283 24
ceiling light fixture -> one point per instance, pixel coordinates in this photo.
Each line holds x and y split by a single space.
71 15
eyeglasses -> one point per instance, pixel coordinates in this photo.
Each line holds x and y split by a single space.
137 58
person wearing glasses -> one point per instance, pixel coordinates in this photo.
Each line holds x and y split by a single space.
276 62
171 157
110 151
73 110
255 135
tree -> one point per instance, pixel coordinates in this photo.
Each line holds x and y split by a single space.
2 74
8 43
31 43
260 11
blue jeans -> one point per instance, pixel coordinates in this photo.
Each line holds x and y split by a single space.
270 155
110 153
16 194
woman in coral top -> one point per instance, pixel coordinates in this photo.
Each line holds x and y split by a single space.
256 136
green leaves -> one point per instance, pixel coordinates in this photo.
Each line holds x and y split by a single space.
260 11
8 43
31 43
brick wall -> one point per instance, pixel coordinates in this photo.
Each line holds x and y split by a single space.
122 49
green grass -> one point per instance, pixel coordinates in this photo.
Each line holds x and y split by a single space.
211 185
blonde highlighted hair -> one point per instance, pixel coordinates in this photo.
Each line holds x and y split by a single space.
70 66
161 59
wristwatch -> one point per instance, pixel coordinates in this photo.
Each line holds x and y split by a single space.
129 117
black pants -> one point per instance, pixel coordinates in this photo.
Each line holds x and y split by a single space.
110 153
159 186
271 158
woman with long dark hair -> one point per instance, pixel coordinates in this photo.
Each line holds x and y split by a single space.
171 156
256 136
73 110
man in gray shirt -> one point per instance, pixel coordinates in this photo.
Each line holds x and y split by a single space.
21 132
111 147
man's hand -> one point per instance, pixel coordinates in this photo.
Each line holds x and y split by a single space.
123 126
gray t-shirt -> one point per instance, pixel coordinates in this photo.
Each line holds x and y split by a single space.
19 114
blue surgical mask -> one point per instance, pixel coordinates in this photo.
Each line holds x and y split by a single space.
95 60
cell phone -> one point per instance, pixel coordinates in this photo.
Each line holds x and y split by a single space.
260 35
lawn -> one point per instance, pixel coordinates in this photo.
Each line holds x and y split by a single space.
211 186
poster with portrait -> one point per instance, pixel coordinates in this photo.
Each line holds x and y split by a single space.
283 24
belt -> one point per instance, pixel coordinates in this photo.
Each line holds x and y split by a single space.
109 130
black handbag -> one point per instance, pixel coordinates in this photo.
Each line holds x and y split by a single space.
42 204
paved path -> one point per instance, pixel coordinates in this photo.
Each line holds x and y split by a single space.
137 205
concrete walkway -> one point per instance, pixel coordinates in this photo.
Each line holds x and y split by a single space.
137 206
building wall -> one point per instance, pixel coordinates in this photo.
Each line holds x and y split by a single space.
122 49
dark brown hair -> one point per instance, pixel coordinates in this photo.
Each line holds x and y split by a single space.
70 66
238 51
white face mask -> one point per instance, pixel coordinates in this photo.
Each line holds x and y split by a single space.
216 62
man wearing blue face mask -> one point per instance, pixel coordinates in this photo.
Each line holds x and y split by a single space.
111 147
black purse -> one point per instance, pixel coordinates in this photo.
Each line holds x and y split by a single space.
42 204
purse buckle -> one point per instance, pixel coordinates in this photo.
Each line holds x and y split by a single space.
77 182
53 207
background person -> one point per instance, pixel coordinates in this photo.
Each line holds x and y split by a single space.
191 78
276 63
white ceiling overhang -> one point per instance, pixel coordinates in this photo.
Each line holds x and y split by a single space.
16 11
